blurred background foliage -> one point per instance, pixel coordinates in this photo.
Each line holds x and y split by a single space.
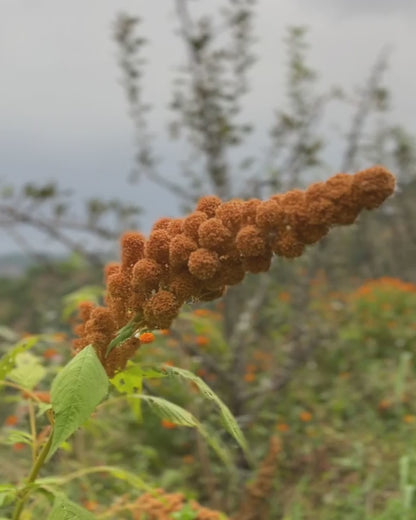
319 352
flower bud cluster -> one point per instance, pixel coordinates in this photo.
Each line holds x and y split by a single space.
198 256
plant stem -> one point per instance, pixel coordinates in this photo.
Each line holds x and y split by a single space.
38 463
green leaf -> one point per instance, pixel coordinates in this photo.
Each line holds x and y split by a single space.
75 393
28 371
64 509
123 334
7 494
178 415
130 381
228 419
7 362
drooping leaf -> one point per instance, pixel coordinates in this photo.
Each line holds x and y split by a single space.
7 362
174 413
7 494
75 393
64 509
28 371
228 419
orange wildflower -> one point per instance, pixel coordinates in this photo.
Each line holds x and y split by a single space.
282 427
384 404
249 377
147 337
284 296
11 420
188 459
409 419
305 416
50 353
168 425
164 332
90 505
202 341
19 446
202 313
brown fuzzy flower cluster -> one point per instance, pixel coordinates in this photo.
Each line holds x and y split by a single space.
198 256
159 505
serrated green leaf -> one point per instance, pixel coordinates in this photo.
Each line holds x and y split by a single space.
64 509
172 412
7 362
28 371
228 419
75 393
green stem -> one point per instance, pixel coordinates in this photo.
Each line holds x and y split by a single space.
32 477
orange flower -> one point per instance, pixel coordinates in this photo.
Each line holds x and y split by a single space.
146 337
202 341
249 377
282 427
91 505
59 337
202 313
11 420
50 353
188 459
164 332
384 404
305 416
18 446
168 425
409 419
284 296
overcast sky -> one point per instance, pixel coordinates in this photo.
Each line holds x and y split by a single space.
63 114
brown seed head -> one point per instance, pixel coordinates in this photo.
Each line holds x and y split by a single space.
250 210
162 223
111 268
160 310
118 286
203 263
250 241
214 235
157 246
231 213
208 205
180 247
258 264
175 227
132 248
192 222
269 215
286 244
147 275
373 186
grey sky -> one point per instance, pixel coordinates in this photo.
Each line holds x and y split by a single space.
63 113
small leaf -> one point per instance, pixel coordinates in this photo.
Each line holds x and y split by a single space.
130 381
64 509
7 362
28 371
123 334
75 393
